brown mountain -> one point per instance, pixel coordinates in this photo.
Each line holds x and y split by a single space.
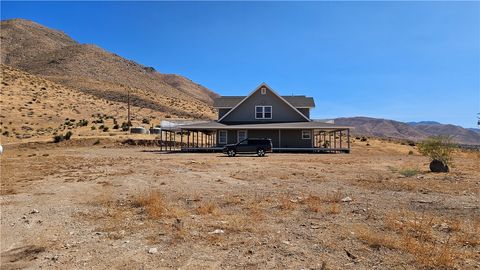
366 126
55 56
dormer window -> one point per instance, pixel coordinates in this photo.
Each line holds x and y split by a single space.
263 90
263 112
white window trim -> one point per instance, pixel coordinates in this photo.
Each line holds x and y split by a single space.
307 132
220 137
263 112
238 134
263 90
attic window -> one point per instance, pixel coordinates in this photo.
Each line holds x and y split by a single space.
263 90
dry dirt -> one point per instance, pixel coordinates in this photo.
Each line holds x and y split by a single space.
67 206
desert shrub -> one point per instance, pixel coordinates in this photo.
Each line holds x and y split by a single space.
105 129
61 137
58 138
168 116
411 143
93 128
96 142
438 148
146 121
6 133
82 123
410 152
68 135
363 139
115 126
125 126
408 172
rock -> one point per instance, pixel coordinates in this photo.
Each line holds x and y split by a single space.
153 250
217 231
438 166
34 211
286 242
347 199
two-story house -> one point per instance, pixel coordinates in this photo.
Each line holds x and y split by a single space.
266 114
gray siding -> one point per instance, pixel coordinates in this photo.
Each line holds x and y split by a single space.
305 111
292 138
271 134
222 112
281 111
288 138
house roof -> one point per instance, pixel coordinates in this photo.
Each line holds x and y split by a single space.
290 125
232 101
273 92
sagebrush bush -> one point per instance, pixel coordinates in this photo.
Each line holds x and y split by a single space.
438 148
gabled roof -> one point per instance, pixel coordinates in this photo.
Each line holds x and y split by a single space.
295 101
271 90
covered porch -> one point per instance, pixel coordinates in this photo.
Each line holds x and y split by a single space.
300 137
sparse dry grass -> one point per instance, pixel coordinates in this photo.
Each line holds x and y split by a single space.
153 201
207 208
329 203
420 235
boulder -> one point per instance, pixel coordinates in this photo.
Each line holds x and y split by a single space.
438 166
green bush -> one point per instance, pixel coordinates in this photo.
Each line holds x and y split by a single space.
438 148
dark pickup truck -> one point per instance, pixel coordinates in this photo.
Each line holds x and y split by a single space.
260 146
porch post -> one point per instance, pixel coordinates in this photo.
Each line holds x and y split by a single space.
311 137
340 139
330 139
161 141
348 138
335 139
181 139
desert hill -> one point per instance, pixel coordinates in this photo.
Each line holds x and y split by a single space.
53 55
34 108
376 127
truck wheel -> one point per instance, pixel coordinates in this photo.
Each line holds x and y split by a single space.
231 153
260 152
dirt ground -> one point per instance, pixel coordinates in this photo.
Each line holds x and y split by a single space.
111 206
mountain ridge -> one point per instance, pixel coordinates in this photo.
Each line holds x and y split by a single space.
385 128
54 55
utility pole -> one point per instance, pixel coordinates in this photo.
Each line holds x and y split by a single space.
129 123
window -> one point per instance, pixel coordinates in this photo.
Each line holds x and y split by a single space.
222 137
241 135
306 134
263 112
263 90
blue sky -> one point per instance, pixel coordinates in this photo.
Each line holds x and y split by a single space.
406 61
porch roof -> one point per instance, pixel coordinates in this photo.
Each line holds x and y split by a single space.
290 125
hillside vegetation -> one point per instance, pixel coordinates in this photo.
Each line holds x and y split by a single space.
34 108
